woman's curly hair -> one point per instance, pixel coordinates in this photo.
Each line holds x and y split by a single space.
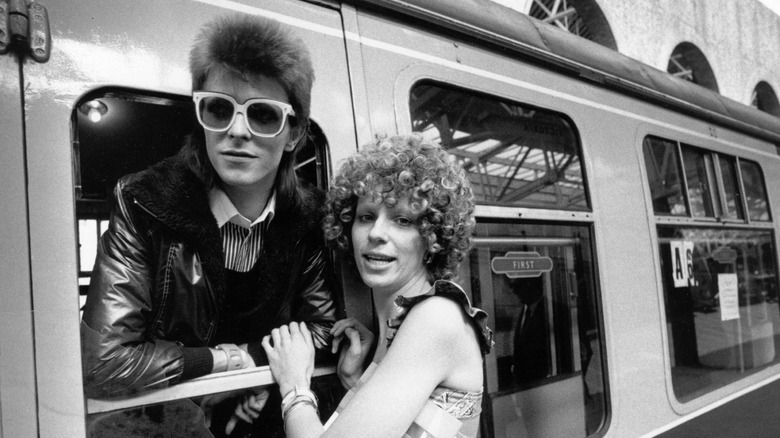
406 166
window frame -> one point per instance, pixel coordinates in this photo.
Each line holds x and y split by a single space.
94 212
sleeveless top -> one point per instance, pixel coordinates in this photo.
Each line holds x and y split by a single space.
448 412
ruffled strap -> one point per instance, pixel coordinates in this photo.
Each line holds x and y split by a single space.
446 289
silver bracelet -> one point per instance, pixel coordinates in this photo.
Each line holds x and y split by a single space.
235 360
298 395
298 402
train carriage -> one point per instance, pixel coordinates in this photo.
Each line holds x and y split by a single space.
625 248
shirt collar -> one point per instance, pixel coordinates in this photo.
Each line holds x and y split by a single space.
224 210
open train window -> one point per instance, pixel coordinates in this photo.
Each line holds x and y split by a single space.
719 278
121 131
536 279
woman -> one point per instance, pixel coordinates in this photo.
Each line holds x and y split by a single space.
403 208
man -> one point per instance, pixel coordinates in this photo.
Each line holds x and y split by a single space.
209 250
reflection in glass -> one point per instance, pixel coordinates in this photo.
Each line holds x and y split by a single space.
721 305
698 168
548 349
755 193
728 174
514 154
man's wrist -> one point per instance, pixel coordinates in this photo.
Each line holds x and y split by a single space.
235 357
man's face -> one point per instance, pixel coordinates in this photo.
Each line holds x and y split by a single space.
244 161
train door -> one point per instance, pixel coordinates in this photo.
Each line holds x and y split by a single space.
533 266
114 98
534 276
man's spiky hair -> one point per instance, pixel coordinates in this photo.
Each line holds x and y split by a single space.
251 45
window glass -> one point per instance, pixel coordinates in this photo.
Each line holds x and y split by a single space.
733 201
545 375
755 193
723 319
515 154
698 168
663 172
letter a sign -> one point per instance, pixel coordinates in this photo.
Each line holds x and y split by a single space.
682 263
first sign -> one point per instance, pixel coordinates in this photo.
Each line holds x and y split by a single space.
521 264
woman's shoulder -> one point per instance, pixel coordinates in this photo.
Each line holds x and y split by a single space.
438 310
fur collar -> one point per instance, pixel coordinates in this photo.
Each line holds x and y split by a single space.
174 196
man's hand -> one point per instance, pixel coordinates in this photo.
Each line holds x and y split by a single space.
248 410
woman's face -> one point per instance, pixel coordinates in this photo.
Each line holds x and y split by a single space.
388 248
243 160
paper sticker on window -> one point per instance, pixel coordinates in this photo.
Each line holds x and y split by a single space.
728 297
682 263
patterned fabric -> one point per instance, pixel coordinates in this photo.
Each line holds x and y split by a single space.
241 245
458 403
242 239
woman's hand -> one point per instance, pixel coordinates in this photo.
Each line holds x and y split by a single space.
352 358
290 351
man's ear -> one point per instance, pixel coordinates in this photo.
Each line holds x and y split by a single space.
295 137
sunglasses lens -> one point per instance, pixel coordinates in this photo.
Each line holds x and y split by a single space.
265 118
216 112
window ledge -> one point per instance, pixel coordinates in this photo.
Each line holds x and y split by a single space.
209 384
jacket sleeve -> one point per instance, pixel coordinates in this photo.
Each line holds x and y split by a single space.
117 353
319 301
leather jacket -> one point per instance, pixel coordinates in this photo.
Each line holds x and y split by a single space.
158 283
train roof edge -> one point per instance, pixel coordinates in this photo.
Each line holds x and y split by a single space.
518 32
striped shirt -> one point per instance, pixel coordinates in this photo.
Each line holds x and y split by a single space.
242 240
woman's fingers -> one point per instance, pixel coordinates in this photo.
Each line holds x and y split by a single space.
341 326
306 335
276 336
266 343
354 341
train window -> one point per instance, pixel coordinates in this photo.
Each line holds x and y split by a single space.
536 280
719 282
733 202
698 171
755 192
117 132
515 154
720 289
663 170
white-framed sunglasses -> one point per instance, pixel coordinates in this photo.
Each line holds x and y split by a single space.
263 117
